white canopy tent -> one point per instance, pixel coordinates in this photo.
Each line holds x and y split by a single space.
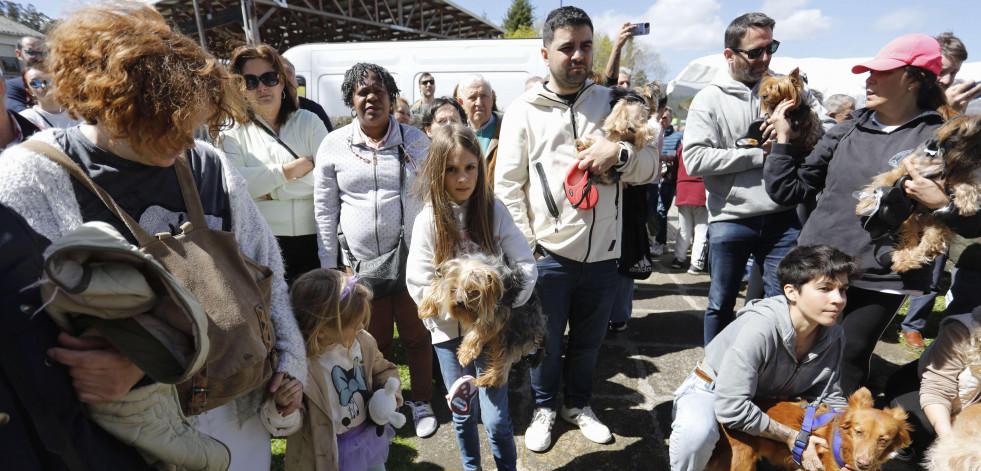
828 76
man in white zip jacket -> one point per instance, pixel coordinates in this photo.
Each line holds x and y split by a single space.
577 249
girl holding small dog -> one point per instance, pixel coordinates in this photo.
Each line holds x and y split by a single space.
462 216
352 389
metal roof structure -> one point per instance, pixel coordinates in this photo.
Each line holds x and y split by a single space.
223 24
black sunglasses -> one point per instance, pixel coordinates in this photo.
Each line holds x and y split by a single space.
757 52
32 52
427 82
269 79
38 83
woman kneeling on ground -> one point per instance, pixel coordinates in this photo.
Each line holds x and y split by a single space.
785 345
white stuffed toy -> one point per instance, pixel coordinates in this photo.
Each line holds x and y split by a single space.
383 405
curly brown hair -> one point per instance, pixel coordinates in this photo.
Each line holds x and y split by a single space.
120 65
245 53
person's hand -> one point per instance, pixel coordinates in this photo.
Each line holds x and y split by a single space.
960 95
600 155
287 392
626 32
100 373
298 168
927 192
809 459
779 125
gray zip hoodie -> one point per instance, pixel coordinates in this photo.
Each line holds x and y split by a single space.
753 358
719 115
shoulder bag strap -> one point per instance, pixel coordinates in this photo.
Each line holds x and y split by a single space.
189 189
74 170
403 156
274 136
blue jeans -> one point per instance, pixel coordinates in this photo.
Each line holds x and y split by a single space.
580 295
694 427
492 408
920 306
666 192
624 302
768 238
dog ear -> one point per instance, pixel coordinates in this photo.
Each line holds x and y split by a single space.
795 75
902 439
860 398
617 121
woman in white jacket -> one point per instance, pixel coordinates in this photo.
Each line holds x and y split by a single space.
273 149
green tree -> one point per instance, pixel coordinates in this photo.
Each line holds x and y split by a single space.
27 16
520 15
644 63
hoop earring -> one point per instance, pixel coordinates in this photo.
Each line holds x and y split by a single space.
353 113
284 94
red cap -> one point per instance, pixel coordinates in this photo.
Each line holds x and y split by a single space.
919 50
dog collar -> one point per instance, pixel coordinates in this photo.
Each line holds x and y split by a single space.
811 423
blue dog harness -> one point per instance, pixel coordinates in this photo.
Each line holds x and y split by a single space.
810 423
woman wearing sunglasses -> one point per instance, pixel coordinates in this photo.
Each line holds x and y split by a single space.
47 113
273 148
902 99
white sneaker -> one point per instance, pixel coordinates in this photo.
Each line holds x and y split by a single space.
539 434
423 418
591 427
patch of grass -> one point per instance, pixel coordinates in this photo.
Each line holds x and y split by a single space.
893 333
403 451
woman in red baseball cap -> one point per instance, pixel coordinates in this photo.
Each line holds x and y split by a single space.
902 99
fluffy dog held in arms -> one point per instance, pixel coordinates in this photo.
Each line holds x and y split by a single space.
478 291
952 158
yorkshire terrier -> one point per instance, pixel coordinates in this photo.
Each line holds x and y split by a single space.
951 158
628 122
478 290
775 89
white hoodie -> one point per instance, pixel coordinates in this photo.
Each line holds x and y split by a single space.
536 150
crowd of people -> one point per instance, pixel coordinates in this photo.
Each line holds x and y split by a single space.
344 231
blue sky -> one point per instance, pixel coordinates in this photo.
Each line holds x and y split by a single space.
682 30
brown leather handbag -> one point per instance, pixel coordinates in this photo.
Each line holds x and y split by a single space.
234 290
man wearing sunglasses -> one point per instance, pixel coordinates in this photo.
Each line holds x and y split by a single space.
743 220
427 86
30 51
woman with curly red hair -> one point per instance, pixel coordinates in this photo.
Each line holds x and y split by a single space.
142 89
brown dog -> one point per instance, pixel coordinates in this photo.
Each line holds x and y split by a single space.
959 450
952 158
628 122
478 291
868 436
775 89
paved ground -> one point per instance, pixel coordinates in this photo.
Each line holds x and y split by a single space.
636 374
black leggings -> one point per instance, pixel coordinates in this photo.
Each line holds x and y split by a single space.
923 432
865 317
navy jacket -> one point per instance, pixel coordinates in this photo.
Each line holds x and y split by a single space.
27 334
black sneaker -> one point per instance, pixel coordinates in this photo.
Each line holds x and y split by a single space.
618 326
677 264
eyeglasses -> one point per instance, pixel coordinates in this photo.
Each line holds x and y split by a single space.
35 84
427 82
32 52
757 52
269 79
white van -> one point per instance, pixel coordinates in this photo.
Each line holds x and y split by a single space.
505 63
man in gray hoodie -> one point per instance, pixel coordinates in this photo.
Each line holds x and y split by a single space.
743 220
